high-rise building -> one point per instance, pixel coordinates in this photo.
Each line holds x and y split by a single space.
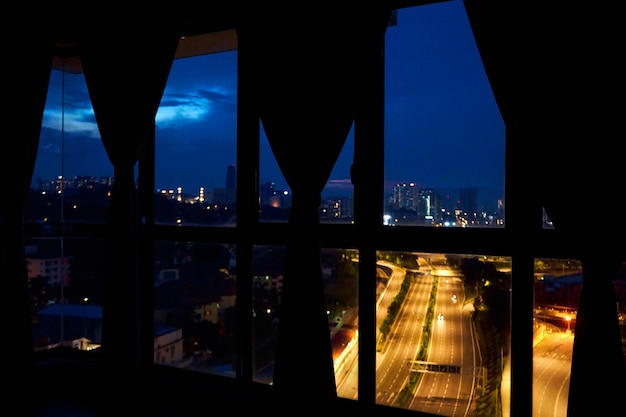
231 176
428 207
228 194
405 196
231 184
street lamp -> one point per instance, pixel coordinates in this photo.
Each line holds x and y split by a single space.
568 319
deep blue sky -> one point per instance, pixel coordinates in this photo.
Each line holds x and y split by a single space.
442 126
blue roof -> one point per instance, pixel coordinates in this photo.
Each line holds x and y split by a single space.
73 310
161 330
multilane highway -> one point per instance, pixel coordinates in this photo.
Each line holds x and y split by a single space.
449 372
448 380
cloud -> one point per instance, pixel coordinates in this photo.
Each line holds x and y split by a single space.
176 108
78 121
214 96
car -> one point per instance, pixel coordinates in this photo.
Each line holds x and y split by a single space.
440 317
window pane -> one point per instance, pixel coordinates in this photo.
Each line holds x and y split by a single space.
558 283
338 193
268 267
443 337
444 137
73 176
275 194
194 306
66 287
340 270
196 141
340 274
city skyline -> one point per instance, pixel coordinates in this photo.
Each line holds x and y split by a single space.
442 126
464 197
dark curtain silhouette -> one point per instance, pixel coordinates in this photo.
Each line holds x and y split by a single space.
306 67
28 72
126 66
555 72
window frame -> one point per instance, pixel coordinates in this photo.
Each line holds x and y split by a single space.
522 238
